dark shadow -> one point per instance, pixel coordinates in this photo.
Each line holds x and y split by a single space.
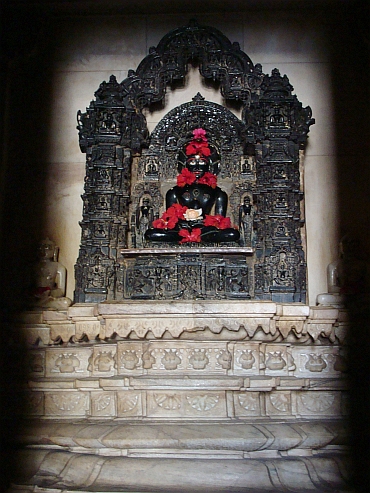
350 42
25 114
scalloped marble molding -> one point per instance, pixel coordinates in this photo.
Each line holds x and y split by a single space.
261 321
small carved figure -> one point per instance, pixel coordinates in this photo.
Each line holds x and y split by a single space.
277 119
50 278
246 213
144 217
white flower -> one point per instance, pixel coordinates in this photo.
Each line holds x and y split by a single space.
193 214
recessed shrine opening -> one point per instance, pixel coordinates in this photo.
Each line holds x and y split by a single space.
208 205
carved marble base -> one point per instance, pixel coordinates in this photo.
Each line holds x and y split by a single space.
185 396
331 299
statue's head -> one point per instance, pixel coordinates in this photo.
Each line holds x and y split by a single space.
47 248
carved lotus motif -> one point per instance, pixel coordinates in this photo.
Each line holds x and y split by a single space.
129 360
66 402
67 363
168 401
249 401
127 402
315 363
275 361
199 359
317 401
246 359
104 361
280 401
203 402
102 402
171 360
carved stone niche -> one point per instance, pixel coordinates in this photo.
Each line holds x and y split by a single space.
128 172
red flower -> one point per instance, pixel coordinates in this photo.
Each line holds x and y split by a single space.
200 134
201 148
192 236
186 177
177 210
165 224
218 221
208 179
170 217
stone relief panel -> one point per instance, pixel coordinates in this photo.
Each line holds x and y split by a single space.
323 361
67 403
247 404
36 363
318 403
278 360
103 361
67 362
247 358
129 404
187 357
191 404
103 404
278 403
157 401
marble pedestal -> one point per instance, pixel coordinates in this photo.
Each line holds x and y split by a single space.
185 396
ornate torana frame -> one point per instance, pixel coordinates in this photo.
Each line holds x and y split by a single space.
259 159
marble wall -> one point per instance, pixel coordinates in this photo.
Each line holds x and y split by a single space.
89 50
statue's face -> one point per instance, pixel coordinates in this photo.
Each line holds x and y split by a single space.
198 166
46 249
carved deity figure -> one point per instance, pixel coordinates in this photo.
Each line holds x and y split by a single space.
190 203
50 278
144 217
246 213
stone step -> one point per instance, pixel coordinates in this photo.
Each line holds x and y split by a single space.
56 471
267 438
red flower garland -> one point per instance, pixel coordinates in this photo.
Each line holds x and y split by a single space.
192 236
218 221
186 177
208 179
170 217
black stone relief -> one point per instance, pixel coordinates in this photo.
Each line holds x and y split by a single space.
254 162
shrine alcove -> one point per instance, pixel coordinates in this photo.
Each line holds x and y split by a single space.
259 163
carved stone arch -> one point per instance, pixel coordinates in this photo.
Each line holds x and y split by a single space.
225 134
218 59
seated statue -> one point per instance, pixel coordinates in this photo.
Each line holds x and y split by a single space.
49 279
189 204
347 276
